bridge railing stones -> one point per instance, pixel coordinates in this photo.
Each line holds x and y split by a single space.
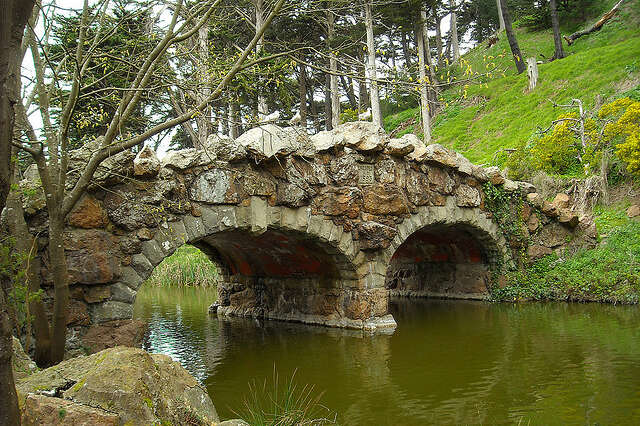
353 194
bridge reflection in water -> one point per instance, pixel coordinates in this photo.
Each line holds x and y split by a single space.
448 362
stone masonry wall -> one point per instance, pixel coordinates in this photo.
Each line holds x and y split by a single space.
305 227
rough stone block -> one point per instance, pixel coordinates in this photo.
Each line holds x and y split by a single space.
109 311
141 265
258 215
178 233
130 277
152 251
122 293
210 220
228 217
194 227
315 225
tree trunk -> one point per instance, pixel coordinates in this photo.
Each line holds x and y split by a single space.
13 18
511 36
597 26
314 107
26 247
58 265
328 116
500 17
262 100
302 94
233 120
532 72
376 113
405 50
333 76
455 45
555 23
348 89
424 91
439 46
203 120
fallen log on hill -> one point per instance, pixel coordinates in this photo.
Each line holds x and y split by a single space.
596 27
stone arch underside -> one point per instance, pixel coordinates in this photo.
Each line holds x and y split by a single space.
445 252
277 263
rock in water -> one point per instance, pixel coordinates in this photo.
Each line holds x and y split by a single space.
140 388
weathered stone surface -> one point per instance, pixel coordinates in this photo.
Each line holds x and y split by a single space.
561 201
417 186
226 149
126 210
233 422
96 293
77 313
146 163
130 245
549 209
479 173
510 186
88 213
568 218
110 334
22 364
374 235
326 141
533 223
419 153
440 180
535 199
344 170
363 136
464 165
110 311
339 201
536 252
495 175
144 234
92 257
138 387
552 236
216 186
42 410
633 211
184 159
292 195
400 147
438 154
118 167
122 293
269 141
384 199
467 196
526 187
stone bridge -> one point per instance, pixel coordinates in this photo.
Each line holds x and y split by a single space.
319 229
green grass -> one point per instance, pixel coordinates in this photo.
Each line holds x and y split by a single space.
188 266
609 273
499 113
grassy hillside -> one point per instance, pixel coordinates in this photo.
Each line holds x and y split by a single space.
500 113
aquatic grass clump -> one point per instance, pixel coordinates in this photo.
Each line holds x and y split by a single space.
286 404
188 266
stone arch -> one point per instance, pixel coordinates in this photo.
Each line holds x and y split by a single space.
445 251
279 263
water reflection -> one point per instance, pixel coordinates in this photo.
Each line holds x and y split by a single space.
448 362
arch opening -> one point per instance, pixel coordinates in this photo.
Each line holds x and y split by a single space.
442 261
281 274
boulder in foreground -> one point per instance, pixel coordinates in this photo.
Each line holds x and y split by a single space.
137 387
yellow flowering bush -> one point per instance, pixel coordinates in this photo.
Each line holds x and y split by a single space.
624 127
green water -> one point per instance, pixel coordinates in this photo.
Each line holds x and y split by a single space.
448 362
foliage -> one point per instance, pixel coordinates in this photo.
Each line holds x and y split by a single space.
560 150
285 404
499 114
506 208
347 115
608 273
625 128
188 266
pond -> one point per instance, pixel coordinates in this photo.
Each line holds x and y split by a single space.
448 362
